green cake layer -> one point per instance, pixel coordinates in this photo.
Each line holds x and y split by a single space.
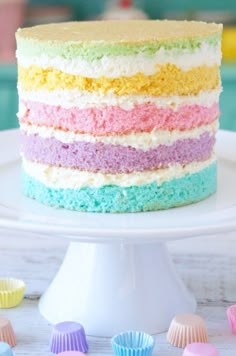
114 199
93 40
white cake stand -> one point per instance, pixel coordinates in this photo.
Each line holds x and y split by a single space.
117 274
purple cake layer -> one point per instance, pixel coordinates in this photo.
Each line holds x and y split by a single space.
109 158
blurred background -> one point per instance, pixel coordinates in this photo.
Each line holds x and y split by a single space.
19 13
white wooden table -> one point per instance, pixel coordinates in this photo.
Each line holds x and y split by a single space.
206 264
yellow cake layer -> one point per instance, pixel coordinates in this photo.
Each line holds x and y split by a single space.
168 80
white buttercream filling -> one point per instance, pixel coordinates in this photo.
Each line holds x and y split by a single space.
67 178
83 100
114 67
141 140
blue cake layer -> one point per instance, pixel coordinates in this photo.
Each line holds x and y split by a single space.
114 199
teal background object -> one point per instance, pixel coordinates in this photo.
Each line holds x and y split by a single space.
228 98
154 8
8 97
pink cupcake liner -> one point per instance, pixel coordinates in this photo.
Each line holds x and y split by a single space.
200 349
6 332
231 314
186 329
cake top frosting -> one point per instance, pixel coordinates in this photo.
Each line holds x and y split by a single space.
141 31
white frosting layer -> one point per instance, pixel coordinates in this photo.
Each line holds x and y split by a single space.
67 178
84 100
143 140
114 67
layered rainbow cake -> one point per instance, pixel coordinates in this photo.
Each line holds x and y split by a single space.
119 116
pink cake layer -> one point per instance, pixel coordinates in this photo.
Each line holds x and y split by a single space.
116 120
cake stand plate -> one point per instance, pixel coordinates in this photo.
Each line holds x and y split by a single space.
117 274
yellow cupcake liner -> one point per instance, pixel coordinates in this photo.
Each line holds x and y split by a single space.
11 292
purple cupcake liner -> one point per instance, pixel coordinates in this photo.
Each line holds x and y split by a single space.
68 336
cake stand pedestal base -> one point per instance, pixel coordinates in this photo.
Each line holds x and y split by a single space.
112 287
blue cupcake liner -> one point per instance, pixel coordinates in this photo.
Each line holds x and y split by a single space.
5 349
132 343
